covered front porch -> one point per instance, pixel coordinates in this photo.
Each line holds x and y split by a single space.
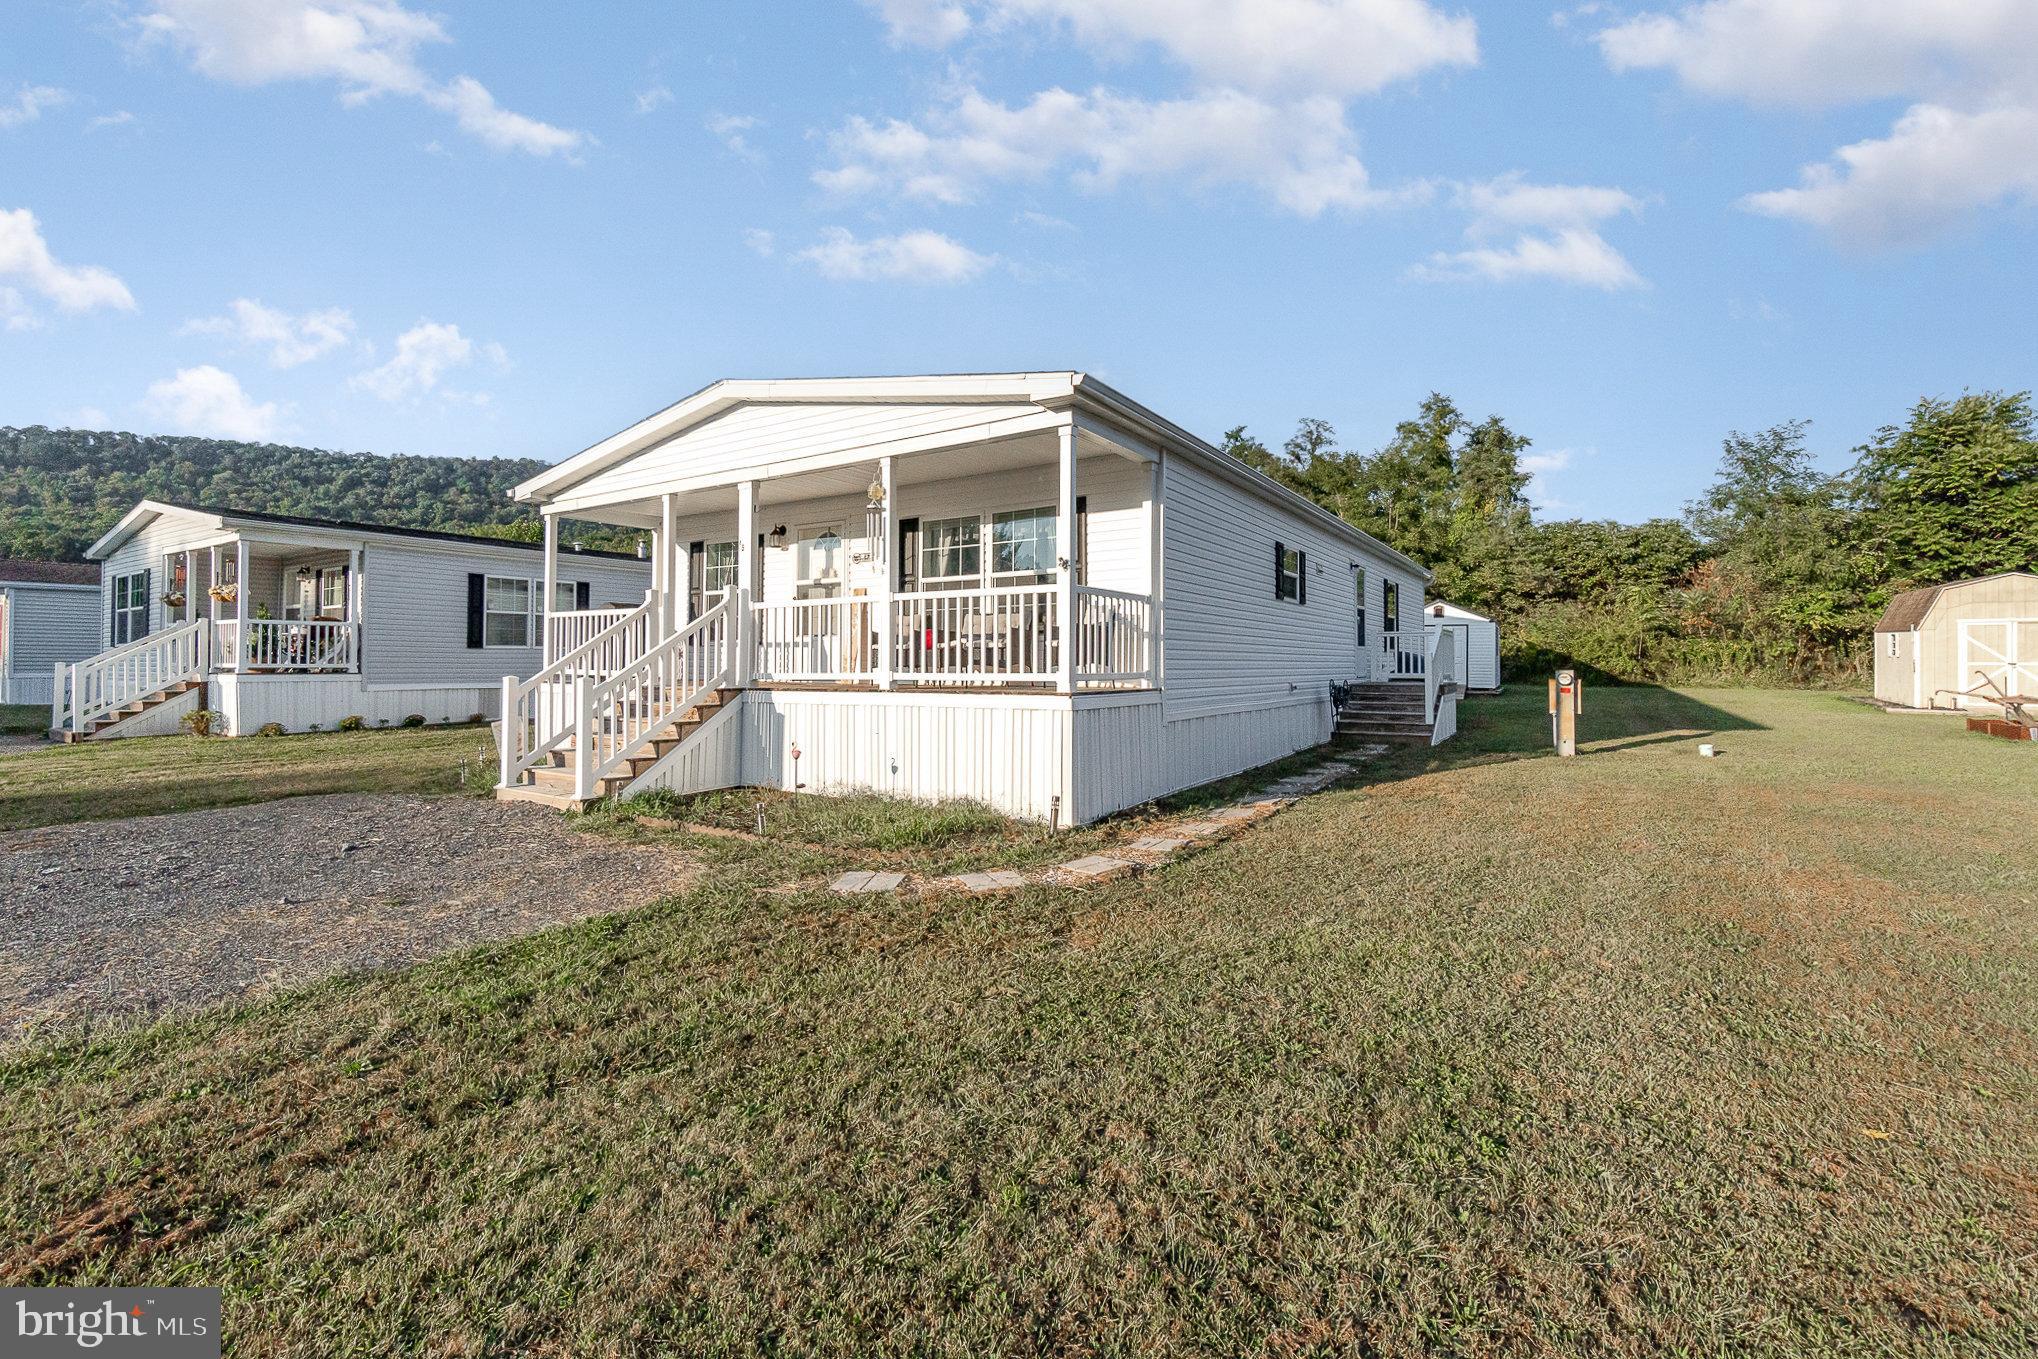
1028 562
272 608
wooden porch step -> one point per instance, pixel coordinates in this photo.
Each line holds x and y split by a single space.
133 709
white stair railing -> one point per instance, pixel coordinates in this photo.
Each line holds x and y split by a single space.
1440 669
619 716
108 682
538 713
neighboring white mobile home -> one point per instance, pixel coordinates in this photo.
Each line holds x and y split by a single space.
49 614
1960 645
1020 588
300 622
1478 644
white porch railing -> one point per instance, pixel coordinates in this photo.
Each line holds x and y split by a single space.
91 689
1114 636
620 716
1407 654
814 639
287 645
572 629
1001 636
538 713
1439 672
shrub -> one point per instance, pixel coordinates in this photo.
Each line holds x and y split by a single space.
476 719
414 720
205 722
353 722
269 729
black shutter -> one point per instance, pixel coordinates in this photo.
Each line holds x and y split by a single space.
909 554
148 600
581 593
1082 540
477 601
696 578
1280 560
1301 577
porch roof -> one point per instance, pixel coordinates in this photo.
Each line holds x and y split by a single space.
227 521
1051 391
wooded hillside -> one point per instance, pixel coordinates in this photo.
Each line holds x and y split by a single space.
61 488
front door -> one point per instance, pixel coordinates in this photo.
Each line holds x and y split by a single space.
2003 651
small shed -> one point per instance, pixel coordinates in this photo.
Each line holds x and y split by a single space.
49 613
1934 643
1478 639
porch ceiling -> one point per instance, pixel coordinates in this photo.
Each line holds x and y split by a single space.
853 477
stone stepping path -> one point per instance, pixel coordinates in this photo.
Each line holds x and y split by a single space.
1158 846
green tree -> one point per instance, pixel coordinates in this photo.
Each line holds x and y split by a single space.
1952 493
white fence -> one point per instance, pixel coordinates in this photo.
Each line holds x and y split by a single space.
1114 636
90 690
1406 654
1002 636
284 646
569 630
814 639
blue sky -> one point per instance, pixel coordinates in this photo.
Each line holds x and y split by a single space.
512 228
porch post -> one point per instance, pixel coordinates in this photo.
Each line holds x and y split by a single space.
357 595
1065 573
668 615
880 554
550 586
1154 518
741 626
240 601
212 579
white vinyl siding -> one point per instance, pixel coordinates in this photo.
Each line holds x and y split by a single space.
44 625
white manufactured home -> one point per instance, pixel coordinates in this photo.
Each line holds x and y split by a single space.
1020 588
49 615
299 622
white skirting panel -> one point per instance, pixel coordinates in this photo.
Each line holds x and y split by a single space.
1006 750
1446 720
16 688
1129 752
300 702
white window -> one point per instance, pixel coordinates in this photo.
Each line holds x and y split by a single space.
718 571
130 608
506 620
332 592
564 592
951 554
1359 588
1288 566
1023 547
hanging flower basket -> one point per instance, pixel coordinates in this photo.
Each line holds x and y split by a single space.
174 599
225 594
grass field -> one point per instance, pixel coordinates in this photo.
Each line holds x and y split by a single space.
1494 1054
19 718
143 775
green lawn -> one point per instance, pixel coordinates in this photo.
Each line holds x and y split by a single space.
142 775
1493 1054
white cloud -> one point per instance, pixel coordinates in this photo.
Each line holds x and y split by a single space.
87 417
290 340
1555 229
1569 256
653 99
120 118
424 354
1273 47
910 257
15 313
1935 168
729 128
1300 155
208 400
760 241
923 23
28 104
1539 466
1045 221
25 259
1968 68
368 46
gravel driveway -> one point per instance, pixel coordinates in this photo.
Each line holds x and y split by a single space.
173 912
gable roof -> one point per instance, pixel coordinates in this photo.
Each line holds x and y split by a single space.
1450 610
1907 610
1053 388
30 571
147 511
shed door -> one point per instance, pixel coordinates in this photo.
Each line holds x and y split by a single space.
2002 650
